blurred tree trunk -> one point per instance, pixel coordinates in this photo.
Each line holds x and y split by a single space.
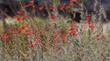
3 15
12 5
100 11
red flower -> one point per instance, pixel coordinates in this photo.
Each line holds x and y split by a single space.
67 6
73 33
29 4
23 27
62 7
92 26
20 19
56 37
73 0
53 18
64 37
28 32
52 8
16 16
12 31
21 11
37 41
73 30
33 45
87 20
25 16
5 36
41 8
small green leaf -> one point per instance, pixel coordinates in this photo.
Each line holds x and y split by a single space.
19 24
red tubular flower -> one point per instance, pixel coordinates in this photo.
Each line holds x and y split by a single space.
28 32
5 36
37 41
41 8
91 26
23 27
62 7
21 11
20 19
15 17
73 0
67 6
52 8
73 33
87 20
29 4
12 31
33 45
25 16
55 35
73 30
64 37
53 18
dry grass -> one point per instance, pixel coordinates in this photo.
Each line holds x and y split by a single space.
84 47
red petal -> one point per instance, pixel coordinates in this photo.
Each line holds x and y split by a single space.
21 11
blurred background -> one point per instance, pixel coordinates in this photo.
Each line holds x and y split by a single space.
12 6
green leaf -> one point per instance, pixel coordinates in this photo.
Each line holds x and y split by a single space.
19 24
89 32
